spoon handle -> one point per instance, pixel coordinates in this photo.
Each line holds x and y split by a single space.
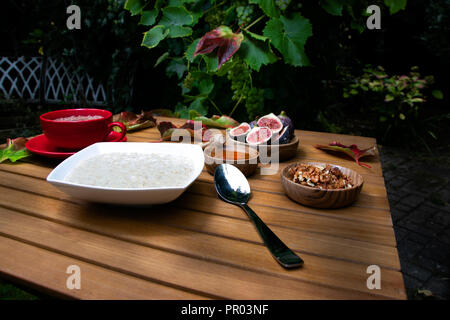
285 256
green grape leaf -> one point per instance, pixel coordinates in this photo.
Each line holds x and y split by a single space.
179 31
438 94
176 67
176 16
182 112
154 36
395 5
332 7
163 57
191 50
199 106
268 7
148 17
134 6
289 36
211 62
206 86
256 53
256 36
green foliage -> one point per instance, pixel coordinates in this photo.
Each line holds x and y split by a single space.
395 5
273 31
397 99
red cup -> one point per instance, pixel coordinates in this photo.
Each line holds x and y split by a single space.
79 134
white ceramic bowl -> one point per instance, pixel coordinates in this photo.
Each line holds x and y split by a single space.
135 196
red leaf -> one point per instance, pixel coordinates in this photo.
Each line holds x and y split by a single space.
352 150
167 129
222 38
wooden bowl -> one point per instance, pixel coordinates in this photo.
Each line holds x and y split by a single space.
286 151
322 198
247 166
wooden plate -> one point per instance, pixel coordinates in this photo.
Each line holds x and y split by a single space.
286 151
322 198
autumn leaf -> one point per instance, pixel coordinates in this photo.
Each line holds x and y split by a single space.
136 121
14 150
223 38
352 150
168 129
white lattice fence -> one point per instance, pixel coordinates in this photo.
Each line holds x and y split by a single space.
22 78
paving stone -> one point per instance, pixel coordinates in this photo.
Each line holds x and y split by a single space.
412 283
407 249
419 216
445 236
412 201
397 214
439 286
421 229
418 238
439 251
400 234
398 183
415 271
431 265
442 218
419 197
432 225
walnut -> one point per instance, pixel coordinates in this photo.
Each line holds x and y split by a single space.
327 177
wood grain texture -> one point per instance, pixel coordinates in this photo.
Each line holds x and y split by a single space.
199 247
322 198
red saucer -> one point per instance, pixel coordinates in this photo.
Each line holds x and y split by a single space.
40 145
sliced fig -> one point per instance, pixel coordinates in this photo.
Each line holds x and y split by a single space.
240 132
259 135
284 136
270 121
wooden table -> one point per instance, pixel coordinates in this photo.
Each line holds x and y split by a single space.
198 247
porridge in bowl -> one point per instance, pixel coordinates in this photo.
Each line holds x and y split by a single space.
132 170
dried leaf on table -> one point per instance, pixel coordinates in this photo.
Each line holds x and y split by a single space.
134 121
14 150
352 150
168 129
219 122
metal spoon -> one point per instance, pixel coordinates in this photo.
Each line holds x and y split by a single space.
233 187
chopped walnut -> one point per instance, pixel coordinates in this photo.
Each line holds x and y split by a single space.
327 177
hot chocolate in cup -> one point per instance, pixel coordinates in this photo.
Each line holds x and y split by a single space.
79 128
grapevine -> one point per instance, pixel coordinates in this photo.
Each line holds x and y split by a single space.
244 12
215 18
239 76
282 4
188 81
255 102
